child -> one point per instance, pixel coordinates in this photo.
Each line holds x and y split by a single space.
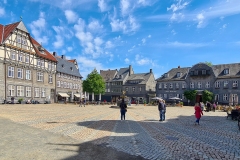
198 113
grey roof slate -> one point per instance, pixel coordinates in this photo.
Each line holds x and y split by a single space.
172 74
234 70
108 75
64 66
121 75
143 77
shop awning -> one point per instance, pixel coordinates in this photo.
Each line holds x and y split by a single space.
63 94
77 95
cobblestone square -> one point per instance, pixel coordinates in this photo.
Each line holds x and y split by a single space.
141 134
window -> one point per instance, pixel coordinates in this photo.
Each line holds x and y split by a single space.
58 84
199 85
20 73
10 71
160 95
166 75
170 85
28 92
13 55
43 92
184 85
42 63
191 73
20 57
207 84
225 84
160 86
217 97
20 91
53 66
36 92
178 74
58 74
165 96
165 85
49 66
203 72
38 62
62 85
177 85
28 74
191 85
133 89
27 59
196 72
225 97
18 41
11 90
39 76
70 86
65 85
226 71
140 89
183 97
50 78
126 89
235 83
217 84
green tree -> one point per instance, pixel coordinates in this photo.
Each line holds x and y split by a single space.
94 83
190 94
208 63
207 96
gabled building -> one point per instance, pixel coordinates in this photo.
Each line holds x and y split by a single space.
222 80
27 69
140 87
68 80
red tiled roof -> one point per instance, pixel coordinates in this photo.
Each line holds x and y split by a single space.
8 29
47 55
72 60
1 32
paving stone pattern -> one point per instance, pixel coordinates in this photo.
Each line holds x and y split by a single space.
141 134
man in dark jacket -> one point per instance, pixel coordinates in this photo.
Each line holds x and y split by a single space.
123 109
162 110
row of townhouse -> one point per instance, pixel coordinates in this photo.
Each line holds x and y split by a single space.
222 80
137 86
29 71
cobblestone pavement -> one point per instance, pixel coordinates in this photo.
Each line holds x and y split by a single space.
141 134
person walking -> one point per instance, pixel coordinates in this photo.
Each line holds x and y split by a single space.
162 110
198 113
214 107
123 109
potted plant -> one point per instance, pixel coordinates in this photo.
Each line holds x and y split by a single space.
20 100
144 103
181 104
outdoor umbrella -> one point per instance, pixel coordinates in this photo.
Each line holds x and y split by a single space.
156 98
175 98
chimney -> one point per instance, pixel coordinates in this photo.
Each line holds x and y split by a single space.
63 57
130 70
54 54
150 70
178 67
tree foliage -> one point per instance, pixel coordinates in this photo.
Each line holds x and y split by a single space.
94 83
190 94
207 96
208 63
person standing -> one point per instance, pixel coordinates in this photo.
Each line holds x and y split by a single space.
214 107
123 109
198 113
162 110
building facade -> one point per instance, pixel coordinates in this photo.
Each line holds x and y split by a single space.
222 80
68 80
27 69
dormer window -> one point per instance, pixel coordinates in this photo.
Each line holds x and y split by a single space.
116 76
62 65
196 72
41 49
226 71
166 75
203 72
178 74
71 68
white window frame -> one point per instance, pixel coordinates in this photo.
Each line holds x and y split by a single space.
11 90
20 57
217 84
50 78
225 84
28 92
177 85
225 97
20 91
170 85
216 97
165 85
20 73
184 85
42 64
207 85
199 85
13 55
165 96
40 76
39 62
160 86
43 90
235 83
133 89
49 66
10 71
28 74
27 59
58 84
191 85
36 92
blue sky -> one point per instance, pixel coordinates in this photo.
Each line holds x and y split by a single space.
147 34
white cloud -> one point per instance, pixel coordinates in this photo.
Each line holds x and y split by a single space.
126 60
149 36
178 6
143 40
59 42
183 45
109 44
140 60
71 16
173 32
125 7
2 11
95 26
102 5
38 27
69 49
224 26
200 19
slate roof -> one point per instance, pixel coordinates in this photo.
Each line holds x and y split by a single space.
121 75
46 54
143 77
172 74
64 66
108 75
234 70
